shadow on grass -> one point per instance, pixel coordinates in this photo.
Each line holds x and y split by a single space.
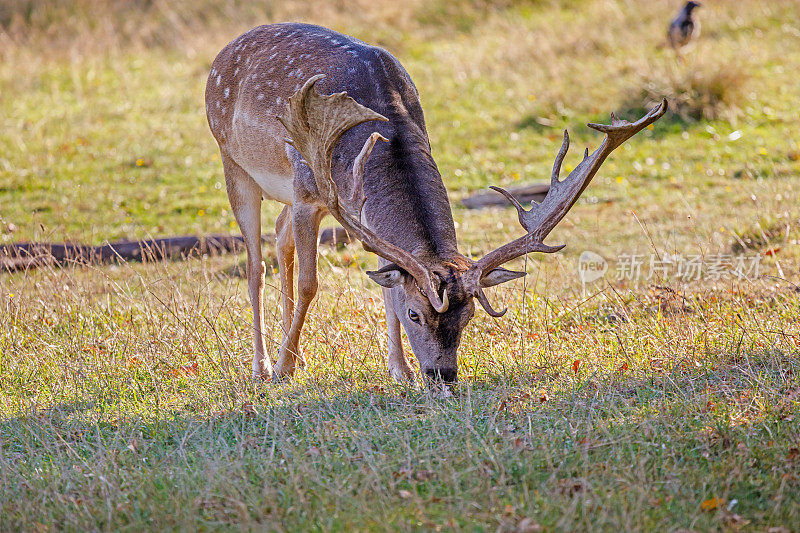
333 454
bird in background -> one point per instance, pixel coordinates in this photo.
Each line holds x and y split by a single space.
683 30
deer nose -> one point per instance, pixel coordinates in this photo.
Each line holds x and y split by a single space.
448 375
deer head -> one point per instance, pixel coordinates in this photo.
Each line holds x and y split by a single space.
434 300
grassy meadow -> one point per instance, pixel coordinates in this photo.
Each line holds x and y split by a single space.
657 403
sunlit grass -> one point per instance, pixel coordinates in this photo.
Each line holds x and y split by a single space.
125 398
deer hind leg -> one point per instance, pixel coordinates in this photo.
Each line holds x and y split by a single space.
305 225
245 197
398 365
285 247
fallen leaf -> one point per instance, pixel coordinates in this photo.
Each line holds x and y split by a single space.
793 454
772 251
528 525
403 472
568 487
734 520
423 475
711 504
521 443
248 408
404 494
313 451
543 397
187 370
575 365
623 368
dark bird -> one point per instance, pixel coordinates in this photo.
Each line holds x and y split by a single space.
684 29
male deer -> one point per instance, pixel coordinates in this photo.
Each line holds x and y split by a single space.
389 195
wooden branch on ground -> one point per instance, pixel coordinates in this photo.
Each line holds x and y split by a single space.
28 255
524 193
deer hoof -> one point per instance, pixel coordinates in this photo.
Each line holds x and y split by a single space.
284 369
402 373
262 369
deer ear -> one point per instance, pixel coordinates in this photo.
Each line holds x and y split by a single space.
389 276
498 276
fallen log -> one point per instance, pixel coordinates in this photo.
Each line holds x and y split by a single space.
28 255
524 193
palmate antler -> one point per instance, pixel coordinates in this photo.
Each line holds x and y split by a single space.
540 220
315 123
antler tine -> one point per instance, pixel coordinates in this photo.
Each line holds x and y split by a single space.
521 212
540 220
315 123
357 194
620 131
484 301
562 152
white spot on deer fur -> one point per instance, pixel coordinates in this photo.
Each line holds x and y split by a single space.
273 54
227 92
219 79
223 110
278 100
235 72
238 57
260 96
217 104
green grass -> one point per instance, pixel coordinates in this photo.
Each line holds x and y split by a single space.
125 399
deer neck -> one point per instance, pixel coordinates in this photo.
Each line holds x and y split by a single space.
407 202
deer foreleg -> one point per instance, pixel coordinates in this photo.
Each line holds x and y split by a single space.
398 365
305 225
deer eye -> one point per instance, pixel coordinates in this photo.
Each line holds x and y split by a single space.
413 316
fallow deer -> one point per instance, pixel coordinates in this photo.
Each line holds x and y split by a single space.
282 139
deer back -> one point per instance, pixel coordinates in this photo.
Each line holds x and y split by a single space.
249 85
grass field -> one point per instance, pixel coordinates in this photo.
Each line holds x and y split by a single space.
662 403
